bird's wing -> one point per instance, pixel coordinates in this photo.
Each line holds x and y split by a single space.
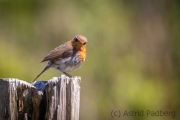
63 51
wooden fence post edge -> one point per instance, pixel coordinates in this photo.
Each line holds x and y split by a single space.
57 98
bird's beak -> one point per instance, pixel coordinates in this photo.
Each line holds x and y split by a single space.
84 43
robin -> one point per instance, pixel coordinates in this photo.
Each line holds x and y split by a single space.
68 56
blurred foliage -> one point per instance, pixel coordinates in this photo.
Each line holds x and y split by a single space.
133 51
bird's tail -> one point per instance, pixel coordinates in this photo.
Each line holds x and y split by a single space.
46 68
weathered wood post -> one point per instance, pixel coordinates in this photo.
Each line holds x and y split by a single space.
56 99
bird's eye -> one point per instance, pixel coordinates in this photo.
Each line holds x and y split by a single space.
84 43
75 39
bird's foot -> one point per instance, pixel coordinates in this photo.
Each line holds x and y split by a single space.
67 74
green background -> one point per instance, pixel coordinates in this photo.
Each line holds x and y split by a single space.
133 58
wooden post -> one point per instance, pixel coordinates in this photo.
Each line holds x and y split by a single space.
56 99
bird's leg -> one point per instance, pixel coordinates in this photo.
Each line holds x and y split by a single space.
67 74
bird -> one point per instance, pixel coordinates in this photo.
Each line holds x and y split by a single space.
66 57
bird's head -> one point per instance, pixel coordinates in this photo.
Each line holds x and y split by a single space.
79 42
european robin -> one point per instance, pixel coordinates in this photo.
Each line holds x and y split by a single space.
67 57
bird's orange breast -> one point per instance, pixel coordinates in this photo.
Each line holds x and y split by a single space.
82 53
81 50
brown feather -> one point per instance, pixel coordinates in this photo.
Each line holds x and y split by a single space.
46 68
63 51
